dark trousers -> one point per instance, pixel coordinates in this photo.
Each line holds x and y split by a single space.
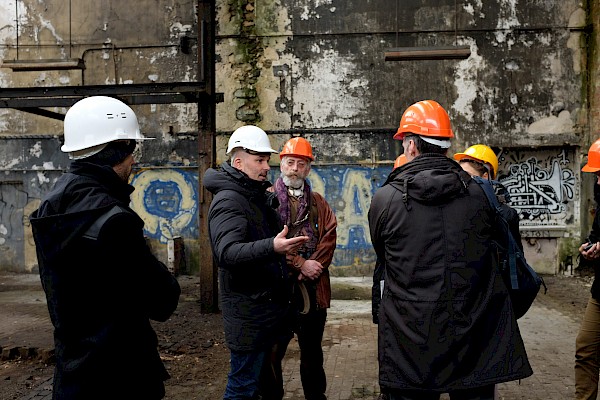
479 393
309 330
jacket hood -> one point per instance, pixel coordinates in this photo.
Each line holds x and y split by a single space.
78 198
430 179
225 177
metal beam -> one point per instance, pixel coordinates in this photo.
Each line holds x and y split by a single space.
31 99
102 90
43 65
44 113
428 53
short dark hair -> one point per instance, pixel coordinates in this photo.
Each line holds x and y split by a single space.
425 147
113 153
480 167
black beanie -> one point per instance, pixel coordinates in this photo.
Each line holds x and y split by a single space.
113 153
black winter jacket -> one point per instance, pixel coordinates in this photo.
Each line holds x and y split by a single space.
254 287
594 237
446 321
103 290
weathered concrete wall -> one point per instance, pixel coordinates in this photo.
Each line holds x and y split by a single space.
316 68
119 43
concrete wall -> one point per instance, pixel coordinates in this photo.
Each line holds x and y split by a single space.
317 68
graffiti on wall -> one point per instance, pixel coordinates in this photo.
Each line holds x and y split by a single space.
167 201
348 190
542 187
542 184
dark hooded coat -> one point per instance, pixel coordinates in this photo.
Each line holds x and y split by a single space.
254 287
445 320
102 290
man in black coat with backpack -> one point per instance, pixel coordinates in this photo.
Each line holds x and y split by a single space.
446 323
102 283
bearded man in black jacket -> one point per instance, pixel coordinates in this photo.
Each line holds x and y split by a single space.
249 245
446 323
102 283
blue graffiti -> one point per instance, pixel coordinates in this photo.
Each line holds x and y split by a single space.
163 199
167 200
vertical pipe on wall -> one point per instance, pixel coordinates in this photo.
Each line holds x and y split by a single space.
206 151
17 25
70 15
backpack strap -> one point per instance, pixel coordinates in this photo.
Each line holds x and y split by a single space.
94 230
401 185
513 250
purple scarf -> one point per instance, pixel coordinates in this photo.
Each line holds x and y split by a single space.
302 214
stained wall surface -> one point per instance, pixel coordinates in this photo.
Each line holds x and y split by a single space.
316 68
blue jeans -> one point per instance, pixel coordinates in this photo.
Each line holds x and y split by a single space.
255 374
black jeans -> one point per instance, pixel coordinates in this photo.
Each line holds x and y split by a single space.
309 329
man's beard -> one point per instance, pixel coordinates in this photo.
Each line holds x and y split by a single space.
294 183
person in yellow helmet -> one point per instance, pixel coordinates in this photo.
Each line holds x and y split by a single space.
446 322
587 351
480 160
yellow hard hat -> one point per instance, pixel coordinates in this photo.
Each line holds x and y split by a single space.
482 153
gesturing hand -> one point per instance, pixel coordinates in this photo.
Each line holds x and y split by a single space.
282 245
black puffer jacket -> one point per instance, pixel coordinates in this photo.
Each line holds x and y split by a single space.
445 321
102 292
594 237
254 288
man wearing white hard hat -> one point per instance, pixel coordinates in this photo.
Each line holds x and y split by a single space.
249 245
102 283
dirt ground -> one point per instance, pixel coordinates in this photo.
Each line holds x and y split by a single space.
192 345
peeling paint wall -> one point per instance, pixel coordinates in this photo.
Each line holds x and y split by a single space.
119 44
522 91
317 68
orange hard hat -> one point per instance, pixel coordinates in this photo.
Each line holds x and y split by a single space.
298 147
400 160
425 118
593 162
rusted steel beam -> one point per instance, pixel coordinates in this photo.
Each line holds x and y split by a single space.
43 65
428 53
103 90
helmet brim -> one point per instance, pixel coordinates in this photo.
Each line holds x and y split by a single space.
587 168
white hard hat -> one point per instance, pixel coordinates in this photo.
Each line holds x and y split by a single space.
93 122
250 137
